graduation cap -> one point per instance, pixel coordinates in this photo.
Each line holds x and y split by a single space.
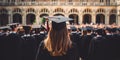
59 22
114 29
5 28
59 19
73 28
36 26
13 25
27 27
108 29
89 28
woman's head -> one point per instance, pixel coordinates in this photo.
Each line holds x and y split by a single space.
58 40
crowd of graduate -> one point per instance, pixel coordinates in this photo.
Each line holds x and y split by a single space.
94 42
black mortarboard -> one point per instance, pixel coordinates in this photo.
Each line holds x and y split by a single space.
89 28
59 22
99 31
118 29
108 29
27 28
5 28
113 30
73 28
36 28
13 25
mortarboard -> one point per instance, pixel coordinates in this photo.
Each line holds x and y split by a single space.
73 28
13 25
5 28
114 29
89 28
59 19
59 22
36 26
27 28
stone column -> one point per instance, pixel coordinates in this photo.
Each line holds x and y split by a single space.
10 17
93 18
118 20
24 19
37 19
80 18
106 18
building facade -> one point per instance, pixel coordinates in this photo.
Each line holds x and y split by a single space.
82 11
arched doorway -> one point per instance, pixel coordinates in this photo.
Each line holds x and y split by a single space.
87 19
112 19
42 20
17 18
75 19
4 19
58 14
30 19
100 18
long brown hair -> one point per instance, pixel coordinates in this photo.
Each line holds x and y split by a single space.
58 41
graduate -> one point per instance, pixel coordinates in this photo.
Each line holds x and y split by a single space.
85 42
29 45
97 47
57 45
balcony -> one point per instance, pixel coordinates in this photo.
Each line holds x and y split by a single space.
56 4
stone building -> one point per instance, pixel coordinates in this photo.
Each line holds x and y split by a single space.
82 11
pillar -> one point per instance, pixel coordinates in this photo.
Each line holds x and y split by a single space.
80 18
37 19
106 18
10 17
24 19
94 18
118 20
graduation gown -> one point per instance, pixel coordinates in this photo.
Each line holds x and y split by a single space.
96 49
43 54
112 49
85 42
29 47
39 37
3 37
14 46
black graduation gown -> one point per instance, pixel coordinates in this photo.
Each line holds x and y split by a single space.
115 47
2 45
75 37
96 49
43 54
112 49
85 42
39 37
29 47
14 46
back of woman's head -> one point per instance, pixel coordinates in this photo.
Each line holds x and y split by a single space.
58 40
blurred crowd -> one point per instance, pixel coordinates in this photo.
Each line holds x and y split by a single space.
95 41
